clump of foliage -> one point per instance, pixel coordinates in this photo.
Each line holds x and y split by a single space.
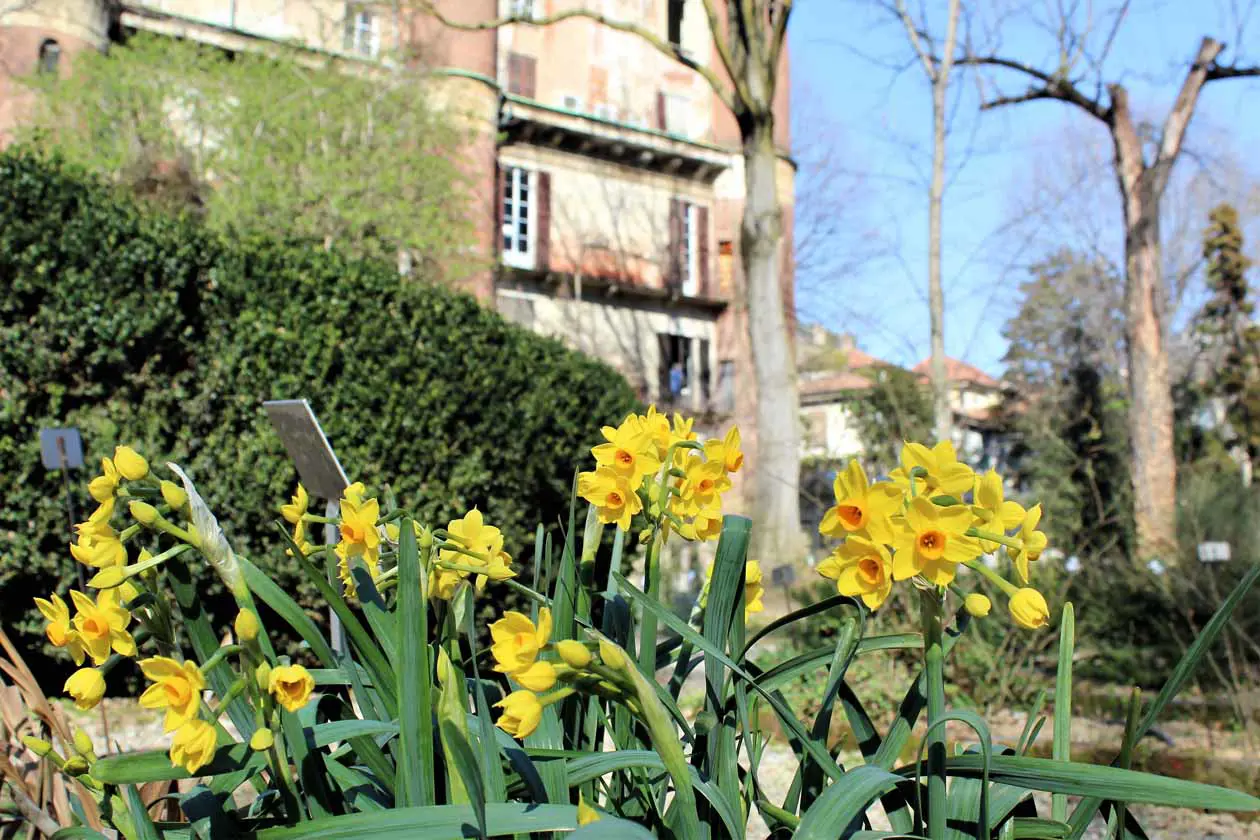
344 156
139 327
564 726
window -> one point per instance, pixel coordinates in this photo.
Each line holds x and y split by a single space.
49 56
675 22
518 235
522 8
684 371
688 268
363 31
520 71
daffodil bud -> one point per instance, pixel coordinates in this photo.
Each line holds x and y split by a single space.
574 654
108 578
246 626
174 495
611 655
76 765
977 605
424 539
130 464
262 739
143 512
38 746
262 676
1029 609
83 744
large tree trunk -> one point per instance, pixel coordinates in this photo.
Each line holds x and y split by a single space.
777 464
1150 414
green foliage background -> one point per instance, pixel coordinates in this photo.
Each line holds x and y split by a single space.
143 328
354 159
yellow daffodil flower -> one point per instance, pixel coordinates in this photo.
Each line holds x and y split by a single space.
931 541
176 687
521 713
861 568
726 451
707 525
945 474
193 745
297 506
993 512
98 546
703 487
861 506
585 813
473 534
359 536
630 451
615 500
1029 609
291 685
656 424
59 630
130 464
517 644
977 605
681 432
575 654
1032 542
87 687
753 588
101 625
174 495
105 485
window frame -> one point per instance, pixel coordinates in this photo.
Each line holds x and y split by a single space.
363 31
514 178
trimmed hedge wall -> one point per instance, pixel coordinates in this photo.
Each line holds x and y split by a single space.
146 329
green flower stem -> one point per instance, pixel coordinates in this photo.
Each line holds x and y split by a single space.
526 591
218 656
934 666
1009 542
458 549
236 689
1000 582
167 527
652 586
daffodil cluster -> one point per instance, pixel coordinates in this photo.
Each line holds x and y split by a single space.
127 594
650 465
523 650
932 516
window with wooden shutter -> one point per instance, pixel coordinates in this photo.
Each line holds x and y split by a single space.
705 376
521 74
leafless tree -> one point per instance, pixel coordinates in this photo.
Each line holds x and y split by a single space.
1143 167
749 39
937 66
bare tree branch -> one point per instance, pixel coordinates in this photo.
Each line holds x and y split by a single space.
1178 119
658 43
1052 87
929 64
723 47
778 36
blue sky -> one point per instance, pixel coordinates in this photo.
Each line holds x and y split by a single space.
876 120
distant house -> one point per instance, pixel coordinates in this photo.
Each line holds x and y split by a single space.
834 373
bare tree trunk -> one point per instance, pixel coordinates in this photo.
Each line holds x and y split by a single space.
777 468
1150 414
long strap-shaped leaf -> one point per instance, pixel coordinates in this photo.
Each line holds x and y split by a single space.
433 822
1079 779
841 804
415 677
1085 811
786 716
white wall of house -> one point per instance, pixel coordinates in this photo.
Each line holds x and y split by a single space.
829 431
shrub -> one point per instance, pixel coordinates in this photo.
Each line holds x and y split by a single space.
148 329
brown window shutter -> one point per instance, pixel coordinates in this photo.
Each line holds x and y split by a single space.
521 71
528 85
702 249
661 124
705 374
542 226
673 260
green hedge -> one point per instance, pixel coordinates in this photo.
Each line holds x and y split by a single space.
150 330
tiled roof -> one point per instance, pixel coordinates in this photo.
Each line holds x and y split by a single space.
959 371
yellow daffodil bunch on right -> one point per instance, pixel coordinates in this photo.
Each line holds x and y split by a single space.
932 516
651 466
